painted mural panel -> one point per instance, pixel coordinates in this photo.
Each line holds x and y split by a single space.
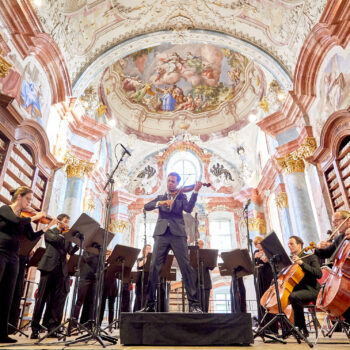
196 78
333 90
35 97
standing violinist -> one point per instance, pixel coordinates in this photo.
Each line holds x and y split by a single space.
325 249
12 225
307 289
54 280
169 234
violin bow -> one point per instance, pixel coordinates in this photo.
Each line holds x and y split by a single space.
179 191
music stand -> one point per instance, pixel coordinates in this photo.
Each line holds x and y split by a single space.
207 259
124 257
278 259
239 263
163 276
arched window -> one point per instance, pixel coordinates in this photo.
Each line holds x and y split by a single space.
187 165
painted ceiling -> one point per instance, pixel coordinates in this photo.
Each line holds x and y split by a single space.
169 70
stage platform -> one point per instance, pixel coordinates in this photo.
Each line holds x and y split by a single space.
337 342
172 329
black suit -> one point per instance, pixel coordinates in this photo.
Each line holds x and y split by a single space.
169 234
87 285
54 280
11 228
306 290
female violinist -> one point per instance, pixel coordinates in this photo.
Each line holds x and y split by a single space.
12 225
307 289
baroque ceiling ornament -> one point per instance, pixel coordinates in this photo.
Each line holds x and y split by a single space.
86 29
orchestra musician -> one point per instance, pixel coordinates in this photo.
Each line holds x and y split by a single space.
308 288
12 225
169 234
141 294
54 279
110 292
87 285
264 278
326 249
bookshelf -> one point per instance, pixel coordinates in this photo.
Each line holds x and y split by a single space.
337 177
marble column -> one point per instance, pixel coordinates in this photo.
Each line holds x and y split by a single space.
76 170
302 217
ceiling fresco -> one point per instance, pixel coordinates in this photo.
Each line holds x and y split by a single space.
200 87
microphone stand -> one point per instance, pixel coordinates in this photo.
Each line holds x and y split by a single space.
143 257
250 248
96 328
200 284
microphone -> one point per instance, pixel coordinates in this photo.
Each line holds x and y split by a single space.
125 150
247 204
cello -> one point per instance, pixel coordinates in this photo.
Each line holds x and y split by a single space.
286 281
334 295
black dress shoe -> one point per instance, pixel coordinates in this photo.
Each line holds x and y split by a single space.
195 308
147 309
7 340
34 335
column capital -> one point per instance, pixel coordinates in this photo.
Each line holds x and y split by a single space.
118 225
76 167
294 162
257 224
282 200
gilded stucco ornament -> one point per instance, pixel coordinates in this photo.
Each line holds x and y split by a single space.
4 66
282 200
76 167
89 204
257 224
294 162
119 226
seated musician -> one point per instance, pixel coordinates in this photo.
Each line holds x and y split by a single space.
308 287
326 249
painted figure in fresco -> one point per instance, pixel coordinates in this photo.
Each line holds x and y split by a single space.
168 100
30 98
139 94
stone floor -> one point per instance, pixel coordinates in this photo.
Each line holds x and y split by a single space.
338 341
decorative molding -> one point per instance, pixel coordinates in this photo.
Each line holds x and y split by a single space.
282 200
76 167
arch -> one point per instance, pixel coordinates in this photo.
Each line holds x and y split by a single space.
334 130
332 30
33 134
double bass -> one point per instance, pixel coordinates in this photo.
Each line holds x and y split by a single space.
334 295
286 281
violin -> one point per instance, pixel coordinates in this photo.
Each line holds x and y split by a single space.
29 213
189 188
